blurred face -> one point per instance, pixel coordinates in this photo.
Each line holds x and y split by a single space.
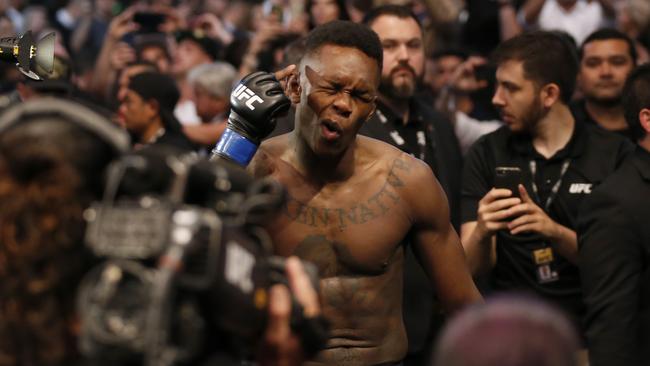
517 98
604 67
187 55
324 11
338 87
136 114
401 40
208 106
438 72
156 56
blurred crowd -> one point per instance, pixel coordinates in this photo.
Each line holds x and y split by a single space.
205 46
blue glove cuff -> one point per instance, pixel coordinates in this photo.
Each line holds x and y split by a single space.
235 147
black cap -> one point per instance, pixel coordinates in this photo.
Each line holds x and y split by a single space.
154 85
210 46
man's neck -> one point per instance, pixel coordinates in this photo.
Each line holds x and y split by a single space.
553 131
399 107
608 117
645 142
322 169
151 131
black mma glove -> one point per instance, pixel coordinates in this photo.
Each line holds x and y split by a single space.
255 103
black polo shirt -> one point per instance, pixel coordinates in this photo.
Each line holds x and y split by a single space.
592 154
580 113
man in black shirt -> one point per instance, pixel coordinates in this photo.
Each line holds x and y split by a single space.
614 246
147 111
607 57
526 239
406 122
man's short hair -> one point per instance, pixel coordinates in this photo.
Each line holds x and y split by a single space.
346 34
508 331
399 11
636 96
546 57
607 34
216 78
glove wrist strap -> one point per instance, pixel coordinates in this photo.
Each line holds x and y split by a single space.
235 147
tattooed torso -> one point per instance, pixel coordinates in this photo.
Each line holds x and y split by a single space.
352 231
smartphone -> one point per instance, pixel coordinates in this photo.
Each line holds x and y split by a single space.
508 177
149 21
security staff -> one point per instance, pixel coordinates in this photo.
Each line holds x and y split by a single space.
614 246
525 236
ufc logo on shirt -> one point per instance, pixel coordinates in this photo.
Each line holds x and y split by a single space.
577 188
242 92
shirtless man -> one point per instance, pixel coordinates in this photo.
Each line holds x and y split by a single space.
352 199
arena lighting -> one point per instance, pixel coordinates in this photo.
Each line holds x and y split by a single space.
34 59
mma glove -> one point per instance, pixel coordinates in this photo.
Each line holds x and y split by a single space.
255 103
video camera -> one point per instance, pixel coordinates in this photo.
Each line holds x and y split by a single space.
185 263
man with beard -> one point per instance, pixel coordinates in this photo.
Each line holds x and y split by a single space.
606 58
523 184
351 199
407 122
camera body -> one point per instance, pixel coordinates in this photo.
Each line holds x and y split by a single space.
185 263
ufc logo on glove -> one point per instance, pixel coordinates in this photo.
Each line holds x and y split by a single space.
242 92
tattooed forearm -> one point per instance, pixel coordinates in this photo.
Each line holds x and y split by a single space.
376 206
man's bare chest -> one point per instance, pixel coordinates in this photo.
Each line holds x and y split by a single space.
355 230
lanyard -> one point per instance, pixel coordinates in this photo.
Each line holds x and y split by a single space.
399 140
556 187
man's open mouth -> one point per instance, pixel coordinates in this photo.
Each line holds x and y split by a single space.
330 130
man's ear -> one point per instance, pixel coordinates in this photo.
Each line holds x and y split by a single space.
550 94
293 88
644 119
152 107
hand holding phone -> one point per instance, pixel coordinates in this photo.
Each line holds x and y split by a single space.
508 177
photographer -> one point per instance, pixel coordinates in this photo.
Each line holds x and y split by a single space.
52 157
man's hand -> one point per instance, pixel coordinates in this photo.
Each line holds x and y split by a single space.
464 80
493 209
281 346
531 218
121 25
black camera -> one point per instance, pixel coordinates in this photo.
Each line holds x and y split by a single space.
185 264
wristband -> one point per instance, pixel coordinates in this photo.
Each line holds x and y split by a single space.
235 147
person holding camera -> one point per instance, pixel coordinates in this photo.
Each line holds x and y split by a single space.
53 156
613 243
351 200
523 184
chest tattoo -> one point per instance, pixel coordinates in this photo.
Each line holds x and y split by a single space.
356 213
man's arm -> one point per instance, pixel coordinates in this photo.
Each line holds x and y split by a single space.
478 236
436 243
610 261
